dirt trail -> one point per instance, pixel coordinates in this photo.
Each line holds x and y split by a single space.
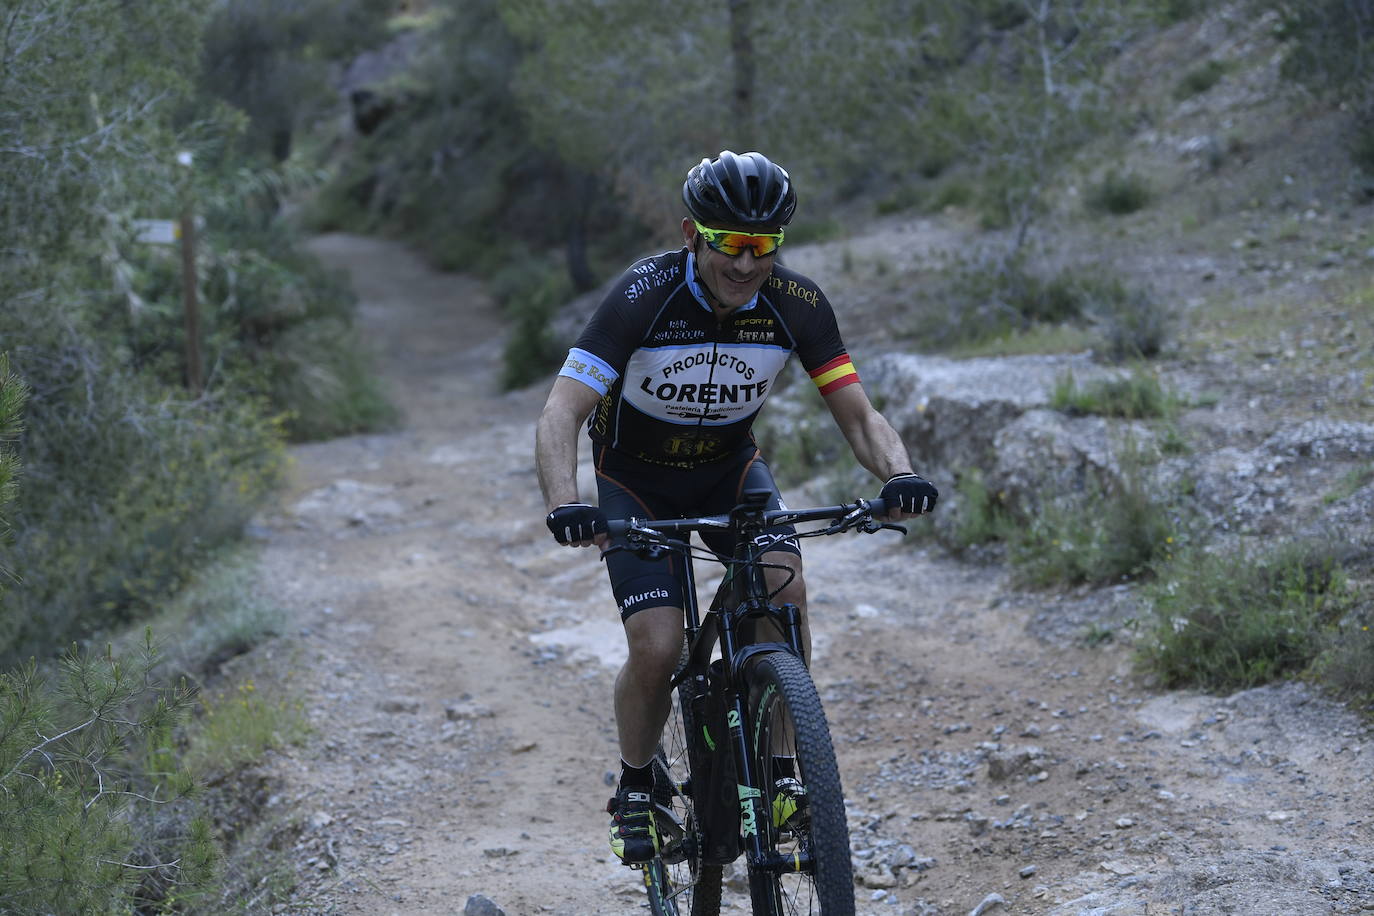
458 668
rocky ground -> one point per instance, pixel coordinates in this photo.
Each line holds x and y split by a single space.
457 667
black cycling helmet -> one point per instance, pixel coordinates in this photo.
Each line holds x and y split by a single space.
745 191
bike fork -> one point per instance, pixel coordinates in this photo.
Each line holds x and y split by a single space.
754 817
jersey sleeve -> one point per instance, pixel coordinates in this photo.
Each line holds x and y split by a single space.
819 345
611 335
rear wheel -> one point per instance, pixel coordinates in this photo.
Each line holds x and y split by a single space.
678 882
789 733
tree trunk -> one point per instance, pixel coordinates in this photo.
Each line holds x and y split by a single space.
579 269
742 56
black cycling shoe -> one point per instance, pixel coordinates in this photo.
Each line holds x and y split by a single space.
634 835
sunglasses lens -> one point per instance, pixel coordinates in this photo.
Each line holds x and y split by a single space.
732 244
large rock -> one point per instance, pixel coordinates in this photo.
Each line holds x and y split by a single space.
949 411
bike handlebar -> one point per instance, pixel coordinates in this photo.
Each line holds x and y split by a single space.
855 513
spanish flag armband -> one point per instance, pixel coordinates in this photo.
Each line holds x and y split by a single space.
835 374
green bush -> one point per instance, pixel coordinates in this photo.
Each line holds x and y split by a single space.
81 811
1118 193
1200 79
990 295
13 394
126 488
982 516
1099 535
1346 663
1138 396
1235 619
1353 481
530 290
1133 323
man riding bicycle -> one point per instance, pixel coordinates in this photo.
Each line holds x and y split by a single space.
668 375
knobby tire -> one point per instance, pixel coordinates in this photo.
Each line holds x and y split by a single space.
784 705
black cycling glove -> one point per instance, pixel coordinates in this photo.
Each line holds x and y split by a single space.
910 493
572 522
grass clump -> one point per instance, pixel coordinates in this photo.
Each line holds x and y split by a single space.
982 515
990 299
1235 619
1138 396
1346 664
1105 533
530 291
1201 78
1119 193
238 725
1353 481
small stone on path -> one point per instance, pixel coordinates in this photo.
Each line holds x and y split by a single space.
479 905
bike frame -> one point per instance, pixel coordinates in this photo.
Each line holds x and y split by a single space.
744 596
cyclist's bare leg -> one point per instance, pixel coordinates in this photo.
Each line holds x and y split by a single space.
642 692
793 593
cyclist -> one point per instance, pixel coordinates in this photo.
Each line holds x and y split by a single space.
668 376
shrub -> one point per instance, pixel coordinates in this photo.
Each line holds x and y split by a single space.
1105 533
990 295
1118 193
1138 396
1200 79
1353 481
277 324
1346 664
1238 618
69 803
126 488
236 726
982 515
530 290
1132 322
13 394
814 230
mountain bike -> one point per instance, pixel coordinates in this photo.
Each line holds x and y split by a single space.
743 723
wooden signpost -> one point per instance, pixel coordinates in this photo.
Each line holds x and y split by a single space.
172 232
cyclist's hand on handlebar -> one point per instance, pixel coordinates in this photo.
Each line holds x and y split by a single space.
914 495
577 524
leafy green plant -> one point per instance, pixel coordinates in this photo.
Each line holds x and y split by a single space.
1237 618
1104 533
13 394
1201 78
236 726
1133 323
1138 396
1353 481
982 515
82 761
989 296
1346 663
529 291
1118 193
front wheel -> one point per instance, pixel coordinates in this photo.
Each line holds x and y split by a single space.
790 739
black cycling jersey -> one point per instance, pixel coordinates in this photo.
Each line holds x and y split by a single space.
678 387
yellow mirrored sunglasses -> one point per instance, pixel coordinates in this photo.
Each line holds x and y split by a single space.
732 243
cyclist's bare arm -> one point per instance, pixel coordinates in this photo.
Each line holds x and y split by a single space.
875 443
555 442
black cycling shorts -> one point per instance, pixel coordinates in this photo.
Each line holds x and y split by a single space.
629 488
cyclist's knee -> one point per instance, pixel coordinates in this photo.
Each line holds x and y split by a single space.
654 638
794 591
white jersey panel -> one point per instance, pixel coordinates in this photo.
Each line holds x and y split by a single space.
702 384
